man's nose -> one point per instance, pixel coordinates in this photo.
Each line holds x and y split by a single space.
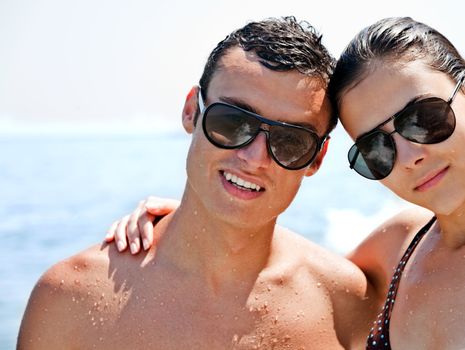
256 154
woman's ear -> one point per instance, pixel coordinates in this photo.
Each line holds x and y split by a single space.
191 110
312 169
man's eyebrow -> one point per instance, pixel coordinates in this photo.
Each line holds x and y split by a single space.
244 105
239 103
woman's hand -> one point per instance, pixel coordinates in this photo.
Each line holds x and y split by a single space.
138 225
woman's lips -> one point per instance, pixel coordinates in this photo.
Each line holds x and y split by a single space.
432 180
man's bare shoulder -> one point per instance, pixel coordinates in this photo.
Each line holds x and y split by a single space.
325 268
336 279
315 257
63 302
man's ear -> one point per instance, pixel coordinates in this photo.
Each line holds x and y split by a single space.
190 110
312 169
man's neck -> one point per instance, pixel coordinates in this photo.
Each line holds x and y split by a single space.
224 253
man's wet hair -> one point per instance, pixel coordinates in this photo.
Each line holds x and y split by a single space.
282 44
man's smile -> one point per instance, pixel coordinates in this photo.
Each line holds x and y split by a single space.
241 183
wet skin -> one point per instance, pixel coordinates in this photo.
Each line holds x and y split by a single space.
223 275
429 312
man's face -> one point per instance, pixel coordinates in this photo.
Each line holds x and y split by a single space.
217 176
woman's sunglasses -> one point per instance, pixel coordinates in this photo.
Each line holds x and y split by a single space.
291 146
427 121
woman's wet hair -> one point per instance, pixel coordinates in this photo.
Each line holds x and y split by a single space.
397 40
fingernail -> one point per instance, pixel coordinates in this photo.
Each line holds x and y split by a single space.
133 248
121 245
108 236
145 242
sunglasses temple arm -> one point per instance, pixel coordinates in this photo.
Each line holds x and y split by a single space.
457 88
200 101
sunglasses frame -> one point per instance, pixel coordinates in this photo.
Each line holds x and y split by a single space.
318 141
352 160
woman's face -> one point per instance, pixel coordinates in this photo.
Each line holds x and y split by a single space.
432 176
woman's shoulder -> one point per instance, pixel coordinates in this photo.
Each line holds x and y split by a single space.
379 253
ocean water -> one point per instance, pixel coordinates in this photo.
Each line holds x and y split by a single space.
59 192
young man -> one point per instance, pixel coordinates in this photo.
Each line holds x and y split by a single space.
223 275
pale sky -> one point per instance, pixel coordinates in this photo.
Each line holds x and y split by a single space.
130 63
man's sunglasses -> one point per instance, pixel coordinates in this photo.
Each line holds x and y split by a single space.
291 146
427 121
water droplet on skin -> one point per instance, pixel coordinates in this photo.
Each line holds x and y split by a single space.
195 212
77 282
76 267
318 284
410 312
62 282
268 288
195 237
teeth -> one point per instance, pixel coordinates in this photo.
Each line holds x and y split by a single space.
241 182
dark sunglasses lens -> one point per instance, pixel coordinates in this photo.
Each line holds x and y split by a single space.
373 156
293 148
226 126
428 121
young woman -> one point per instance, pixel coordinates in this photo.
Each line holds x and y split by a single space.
398 91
